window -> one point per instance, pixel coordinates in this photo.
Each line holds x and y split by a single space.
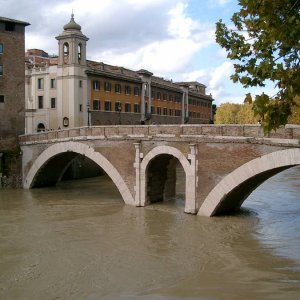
80 107
66 49
170 112
170 97
137 108
1 48
107 106
40 102
178 99
1 70
107 86
53 103
10 26
127 107
165 96
80 83
52 83
118 106
165 112
96 85
136 91
79 51
127 89
152 109
40 127
40 83
158 96
96 105
118 88
158 110
152 94
1 98
177 113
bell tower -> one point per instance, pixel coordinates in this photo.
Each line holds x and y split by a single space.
71 76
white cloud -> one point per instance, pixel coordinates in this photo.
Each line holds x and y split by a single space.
161 58
181 26
221 3
216 80
140 5
170 54
220 74
196 75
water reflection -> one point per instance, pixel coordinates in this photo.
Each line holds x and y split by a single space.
277 205
79 241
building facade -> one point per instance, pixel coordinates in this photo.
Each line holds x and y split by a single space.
12 88
70 91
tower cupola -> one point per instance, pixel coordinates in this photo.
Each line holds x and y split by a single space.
72 25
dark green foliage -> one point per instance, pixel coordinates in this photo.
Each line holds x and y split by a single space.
265 45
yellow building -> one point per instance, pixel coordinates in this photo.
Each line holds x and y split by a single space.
119 95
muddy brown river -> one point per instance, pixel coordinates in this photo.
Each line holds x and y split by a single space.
79 241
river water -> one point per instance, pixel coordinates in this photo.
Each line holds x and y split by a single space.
79 241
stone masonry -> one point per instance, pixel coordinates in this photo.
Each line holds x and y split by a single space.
222 163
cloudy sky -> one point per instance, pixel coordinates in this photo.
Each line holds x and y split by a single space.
173 39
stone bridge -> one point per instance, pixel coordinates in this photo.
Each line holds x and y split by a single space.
223 164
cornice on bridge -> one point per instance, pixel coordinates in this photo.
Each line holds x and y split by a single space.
286 136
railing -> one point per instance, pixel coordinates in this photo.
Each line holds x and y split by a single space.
140 131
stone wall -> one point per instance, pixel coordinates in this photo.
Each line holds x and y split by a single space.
11 168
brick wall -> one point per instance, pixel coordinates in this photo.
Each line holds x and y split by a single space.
12 109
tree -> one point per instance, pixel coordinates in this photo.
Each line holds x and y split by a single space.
295 116
265 45
227 113
246 115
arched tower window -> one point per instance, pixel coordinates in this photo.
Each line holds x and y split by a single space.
66 52
79 51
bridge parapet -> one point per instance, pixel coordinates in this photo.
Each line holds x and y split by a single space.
291 132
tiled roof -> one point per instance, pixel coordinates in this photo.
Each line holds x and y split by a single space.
109 70
100 68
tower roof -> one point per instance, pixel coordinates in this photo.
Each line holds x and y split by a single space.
72 25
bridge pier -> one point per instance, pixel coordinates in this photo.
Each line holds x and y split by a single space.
191 204
137 166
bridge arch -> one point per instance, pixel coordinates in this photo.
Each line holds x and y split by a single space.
84 150
189 175
232 190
